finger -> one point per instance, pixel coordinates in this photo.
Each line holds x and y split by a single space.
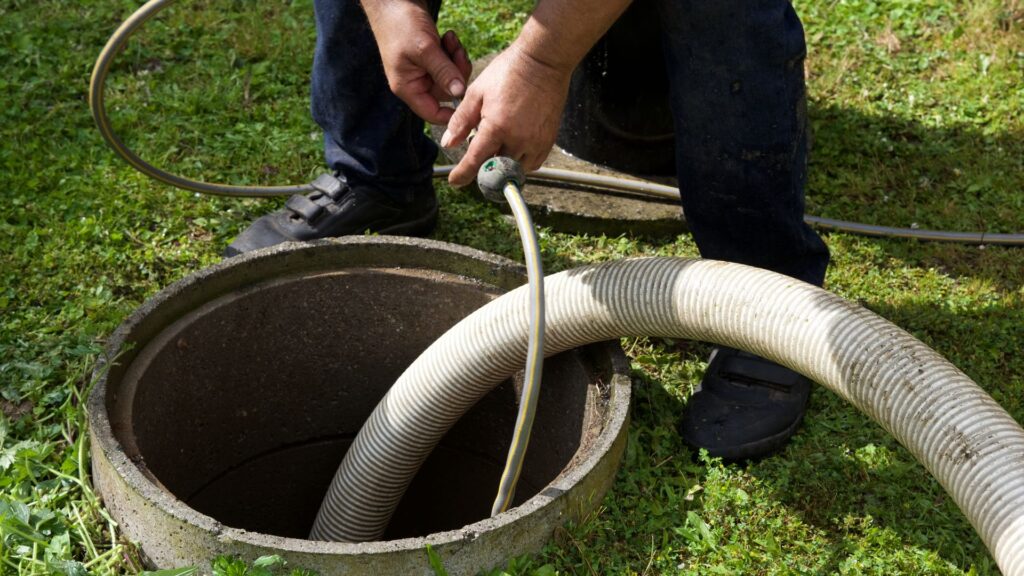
465 118
535 161
450 42
463 63
440 66
453 46
428 108
440 94
457 52
515 153
484 146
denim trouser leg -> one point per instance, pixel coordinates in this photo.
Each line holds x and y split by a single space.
737 88
370 135
736 74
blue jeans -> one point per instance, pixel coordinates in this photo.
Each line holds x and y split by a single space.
736 79
370 135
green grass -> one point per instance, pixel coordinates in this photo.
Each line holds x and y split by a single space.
917 108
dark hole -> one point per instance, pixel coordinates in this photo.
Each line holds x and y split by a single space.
244 409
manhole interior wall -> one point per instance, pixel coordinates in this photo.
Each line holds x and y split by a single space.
239 395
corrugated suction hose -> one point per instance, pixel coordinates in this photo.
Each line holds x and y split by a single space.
966 440
963 437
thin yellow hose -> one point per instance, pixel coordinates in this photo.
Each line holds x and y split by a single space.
534 355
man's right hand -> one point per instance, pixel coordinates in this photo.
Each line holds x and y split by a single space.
422 68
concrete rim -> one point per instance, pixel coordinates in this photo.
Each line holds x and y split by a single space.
296 258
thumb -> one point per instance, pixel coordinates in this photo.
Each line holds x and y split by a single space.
442 70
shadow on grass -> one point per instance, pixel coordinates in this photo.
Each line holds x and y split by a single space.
1000 266
893 171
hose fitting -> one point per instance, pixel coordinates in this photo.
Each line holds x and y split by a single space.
496 173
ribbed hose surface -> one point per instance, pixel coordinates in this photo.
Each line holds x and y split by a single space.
966 440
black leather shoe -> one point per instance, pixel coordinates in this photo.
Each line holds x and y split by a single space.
745 408
337 209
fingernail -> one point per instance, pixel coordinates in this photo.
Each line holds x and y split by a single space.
455 88
446 138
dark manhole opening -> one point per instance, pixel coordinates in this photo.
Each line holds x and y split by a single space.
244 407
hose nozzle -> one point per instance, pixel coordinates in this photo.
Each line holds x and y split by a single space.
495 173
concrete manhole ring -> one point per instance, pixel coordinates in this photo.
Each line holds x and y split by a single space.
227 400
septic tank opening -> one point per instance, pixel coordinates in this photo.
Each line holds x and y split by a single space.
244 407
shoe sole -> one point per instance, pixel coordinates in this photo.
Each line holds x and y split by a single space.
754 451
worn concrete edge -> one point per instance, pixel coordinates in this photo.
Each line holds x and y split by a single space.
112 467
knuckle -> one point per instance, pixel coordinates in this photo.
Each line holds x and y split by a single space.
421 45
501 132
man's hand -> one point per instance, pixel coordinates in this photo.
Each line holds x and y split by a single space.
422 68
515 105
